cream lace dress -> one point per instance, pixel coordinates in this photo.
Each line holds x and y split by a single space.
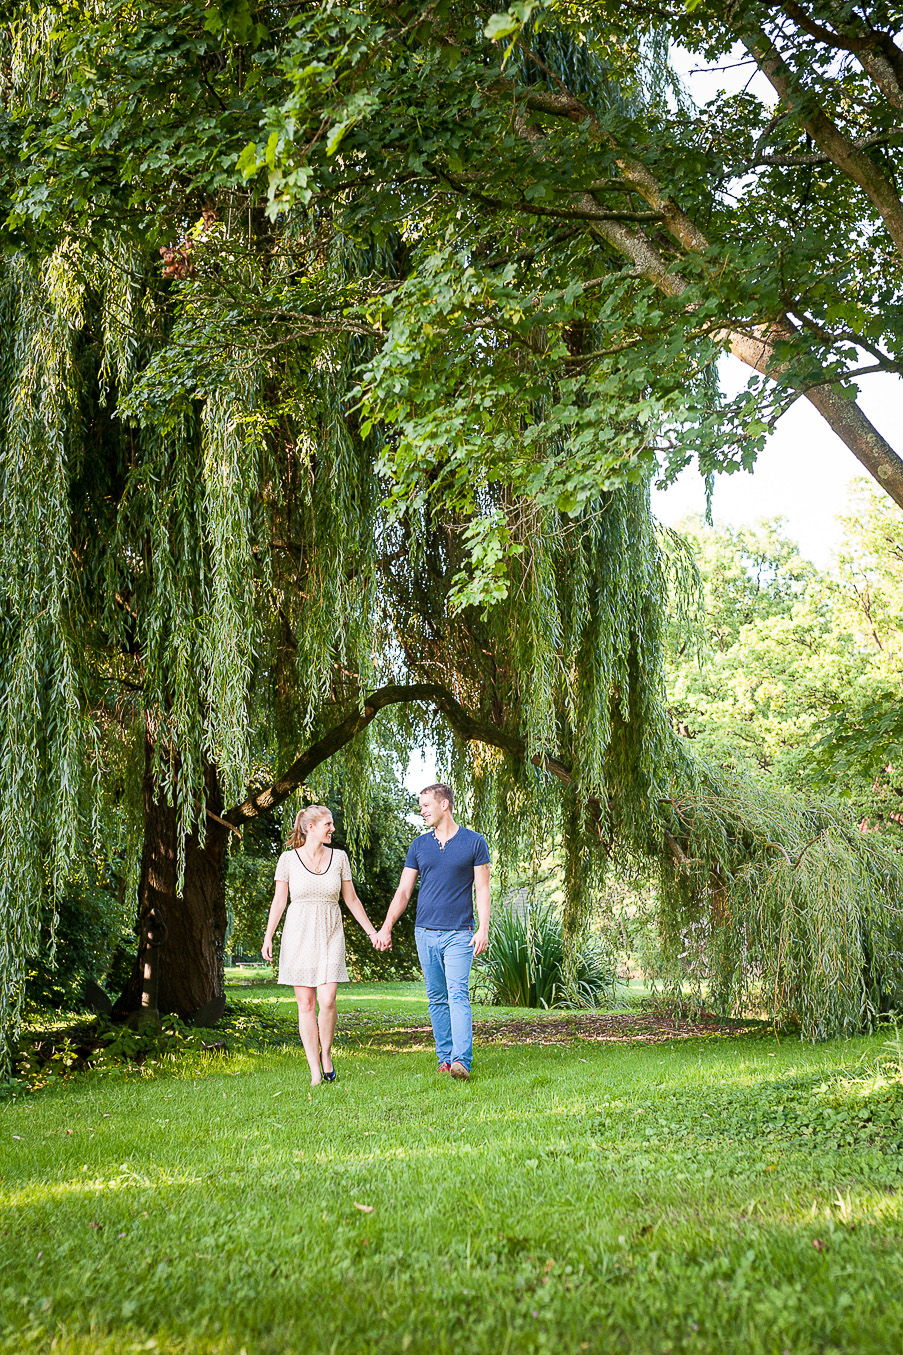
313 938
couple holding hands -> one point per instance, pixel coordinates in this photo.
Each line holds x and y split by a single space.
453 865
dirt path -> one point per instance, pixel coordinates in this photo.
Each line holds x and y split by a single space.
607 1028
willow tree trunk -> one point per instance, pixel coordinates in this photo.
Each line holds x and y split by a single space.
181 945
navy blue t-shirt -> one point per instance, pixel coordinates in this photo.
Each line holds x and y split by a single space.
445 900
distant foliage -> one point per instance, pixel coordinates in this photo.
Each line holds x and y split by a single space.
796 680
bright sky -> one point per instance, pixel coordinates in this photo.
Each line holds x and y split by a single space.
802 475
421 772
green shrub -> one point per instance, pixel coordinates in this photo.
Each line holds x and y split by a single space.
94 930
525 964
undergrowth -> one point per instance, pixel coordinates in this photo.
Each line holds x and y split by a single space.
102 1047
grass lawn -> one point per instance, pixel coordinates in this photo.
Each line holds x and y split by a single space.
723 1193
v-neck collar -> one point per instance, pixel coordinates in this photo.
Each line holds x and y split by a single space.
316 872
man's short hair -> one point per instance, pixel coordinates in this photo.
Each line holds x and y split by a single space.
440 791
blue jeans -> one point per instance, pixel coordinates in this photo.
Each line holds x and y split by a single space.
446 958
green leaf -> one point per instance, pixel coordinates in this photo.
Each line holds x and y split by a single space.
248 161
501 26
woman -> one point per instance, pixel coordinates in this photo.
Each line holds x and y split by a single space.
312 954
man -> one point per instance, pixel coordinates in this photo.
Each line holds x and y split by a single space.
453 863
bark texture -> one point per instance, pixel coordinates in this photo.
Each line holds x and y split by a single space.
852 161
181 949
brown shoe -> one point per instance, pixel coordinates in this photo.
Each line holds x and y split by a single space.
444 1068
458 1070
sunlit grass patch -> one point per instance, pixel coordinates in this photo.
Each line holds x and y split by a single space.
622 1196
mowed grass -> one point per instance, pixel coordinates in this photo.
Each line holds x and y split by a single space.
383 1002
726 1194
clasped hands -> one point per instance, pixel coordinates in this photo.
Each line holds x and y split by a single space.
382 940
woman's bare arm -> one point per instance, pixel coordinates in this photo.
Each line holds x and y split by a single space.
277 908
356 908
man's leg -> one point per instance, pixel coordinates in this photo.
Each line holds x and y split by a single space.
430 952
458 961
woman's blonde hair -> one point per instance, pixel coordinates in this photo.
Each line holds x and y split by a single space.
303 820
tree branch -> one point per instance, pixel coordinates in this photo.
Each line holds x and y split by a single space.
804 159
827 135
845 417
589 211
886 75
324 748
465 725
878 54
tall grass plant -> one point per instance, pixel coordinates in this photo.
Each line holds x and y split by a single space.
527 963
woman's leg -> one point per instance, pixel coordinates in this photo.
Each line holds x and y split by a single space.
307 1029
326 1021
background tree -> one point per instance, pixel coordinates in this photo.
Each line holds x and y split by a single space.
795 683
374 432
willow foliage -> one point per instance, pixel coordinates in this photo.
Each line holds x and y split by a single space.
43 719
362 434
177 565
783 903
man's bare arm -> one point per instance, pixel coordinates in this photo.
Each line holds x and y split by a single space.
480 938
400 901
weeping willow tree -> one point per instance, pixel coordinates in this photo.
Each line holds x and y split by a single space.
559 733
285 449
146 606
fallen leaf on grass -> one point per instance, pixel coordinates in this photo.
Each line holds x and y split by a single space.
364 1208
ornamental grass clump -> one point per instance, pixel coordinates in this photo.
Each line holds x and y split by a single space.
527 964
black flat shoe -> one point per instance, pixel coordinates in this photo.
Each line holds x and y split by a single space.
329 1077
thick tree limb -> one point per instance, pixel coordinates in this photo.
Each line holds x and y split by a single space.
828 136
885 75
756 350
465 725
877 53
331 742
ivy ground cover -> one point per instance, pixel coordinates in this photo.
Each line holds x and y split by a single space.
696 1190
